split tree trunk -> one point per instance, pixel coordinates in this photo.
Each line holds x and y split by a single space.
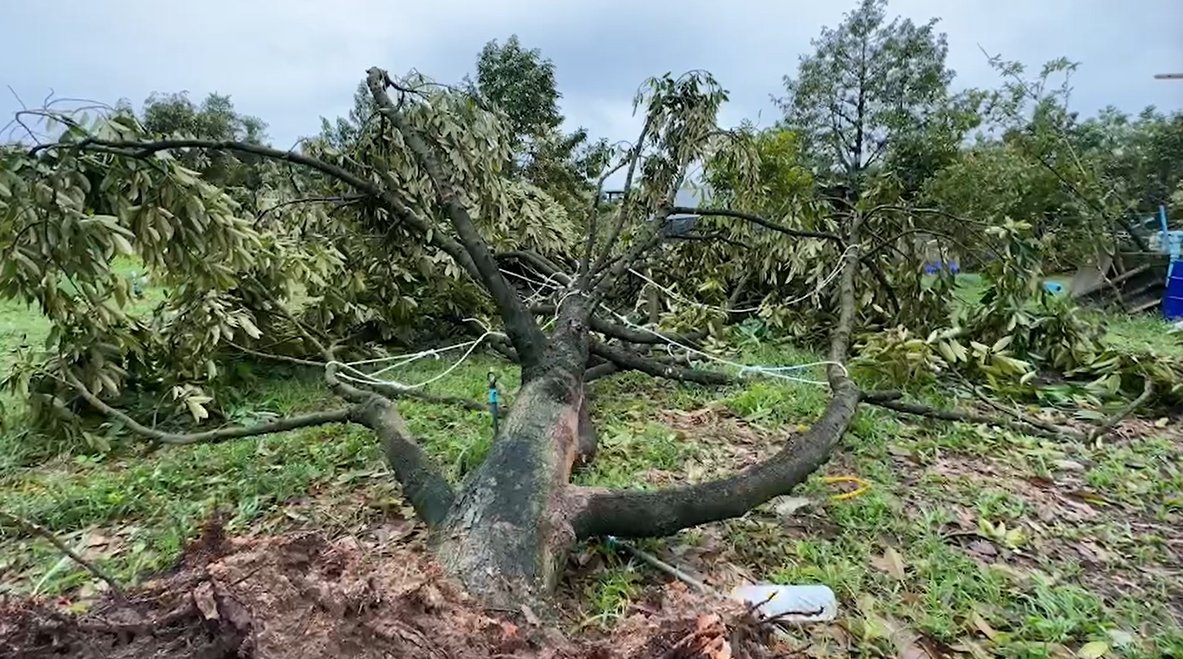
507 535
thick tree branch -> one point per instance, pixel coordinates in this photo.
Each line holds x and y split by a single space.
523 331
222 434
423 483
631 361
756 219
662 512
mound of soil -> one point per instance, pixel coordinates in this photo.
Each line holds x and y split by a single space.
302 595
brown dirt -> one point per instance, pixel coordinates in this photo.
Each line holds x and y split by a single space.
301 595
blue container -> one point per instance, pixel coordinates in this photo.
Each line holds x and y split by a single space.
1172 299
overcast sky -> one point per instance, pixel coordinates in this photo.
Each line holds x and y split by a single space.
292 61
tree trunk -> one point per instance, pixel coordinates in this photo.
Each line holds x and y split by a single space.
652 303
507 536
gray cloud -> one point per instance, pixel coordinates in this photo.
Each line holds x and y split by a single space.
291 61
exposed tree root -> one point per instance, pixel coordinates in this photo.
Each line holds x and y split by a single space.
300 595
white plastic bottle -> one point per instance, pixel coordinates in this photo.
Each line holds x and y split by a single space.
797 603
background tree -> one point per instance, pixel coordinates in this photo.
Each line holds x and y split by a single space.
174 114
521 83
868 85
1138 155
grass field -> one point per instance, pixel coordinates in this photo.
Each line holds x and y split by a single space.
969 539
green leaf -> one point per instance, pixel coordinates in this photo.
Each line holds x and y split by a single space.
122 245
1121 638
1093 650
249 327
196 405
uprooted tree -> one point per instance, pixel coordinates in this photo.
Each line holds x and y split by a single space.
410 216
428 168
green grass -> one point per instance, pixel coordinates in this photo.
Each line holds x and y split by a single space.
935 488
931 482
1142 333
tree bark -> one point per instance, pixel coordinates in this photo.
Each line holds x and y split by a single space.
507 536
589 438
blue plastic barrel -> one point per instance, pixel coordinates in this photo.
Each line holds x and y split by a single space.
1172 299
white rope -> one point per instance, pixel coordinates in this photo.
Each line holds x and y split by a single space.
818 289
543 285
349 371
744 369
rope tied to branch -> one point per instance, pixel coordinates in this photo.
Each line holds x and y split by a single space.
744 369
350 371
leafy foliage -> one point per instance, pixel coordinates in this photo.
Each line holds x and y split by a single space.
869 84
68 212
521 83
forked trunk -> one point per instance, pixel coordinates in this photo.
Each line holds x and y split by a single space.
507 536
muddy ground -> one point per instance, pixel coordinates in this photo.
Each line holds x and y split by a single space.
301 595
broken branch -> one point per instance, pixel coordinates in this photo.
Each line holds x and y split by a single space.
890 400
1103 429
423 483
756 219
38 530
214 436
